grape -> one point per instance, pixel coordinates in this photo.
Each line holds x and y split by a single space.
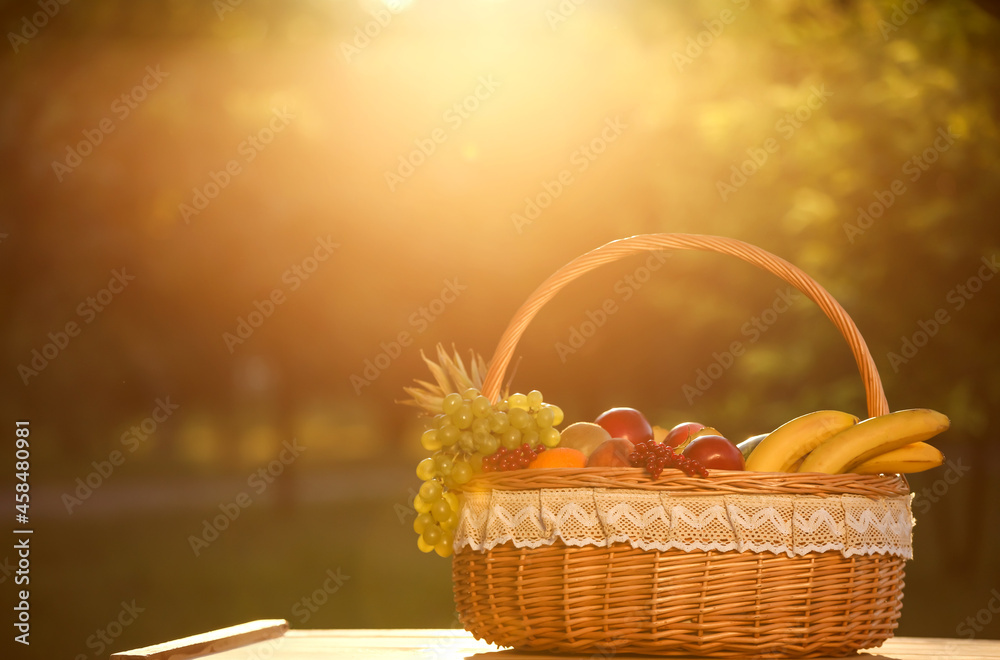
519 418
426 469
421 505
452 500
486 443
480 424
534 399
421 522
511 438
654 457
557 413
441 420
451 403
448 436
477 461
461 472
430 440
432 534
499 422
441 510
518 401
481 406
463 418
430 490
470 394
549 437
424 547
531 438
451 523
444 546
467 442
545 418
444 464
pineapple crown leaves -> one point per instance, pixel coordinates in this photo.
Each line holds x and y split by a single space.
450 374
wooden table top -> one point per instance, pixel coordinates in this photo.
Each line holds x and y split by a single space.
272 640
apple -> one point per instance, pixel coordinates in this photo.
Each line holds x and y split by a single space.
715 452
626 423
682 433
613 453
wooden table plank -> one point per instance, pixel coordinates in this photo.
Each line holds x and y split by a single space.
198 646
459 645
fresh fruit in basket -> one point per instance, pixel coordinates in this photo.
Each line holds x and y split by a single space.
878 435
833 442
716 452
747 446
655 457
683 432
626 423
469 434
560 457
612 453
916 457
793 440
585 436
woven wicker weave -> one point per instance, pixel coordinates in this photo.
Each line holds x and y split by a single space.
624 599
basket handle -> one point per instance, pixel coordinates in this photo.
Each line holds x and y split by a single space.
624 247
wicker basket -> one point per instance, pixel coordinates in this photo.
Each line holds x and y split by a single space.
618 597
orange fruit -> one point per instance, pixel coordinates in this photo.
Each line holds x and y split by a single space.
560 457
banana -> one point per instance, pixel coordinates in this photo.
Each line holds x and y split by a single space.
872 437
783 447
747 446
915 457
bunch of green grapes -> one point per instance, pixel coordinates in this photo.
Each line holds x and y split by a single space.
467 430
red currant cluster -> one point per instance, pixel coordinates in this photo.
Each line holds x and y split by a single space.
504 460
654 457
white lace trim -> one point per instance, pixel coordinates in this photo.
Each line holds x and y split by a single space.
780 524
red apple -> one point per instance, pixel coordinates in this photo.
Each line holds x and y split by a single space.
680 433
626 423
715 452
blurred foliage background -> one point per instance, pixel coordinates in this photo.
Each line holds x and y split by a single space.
318 122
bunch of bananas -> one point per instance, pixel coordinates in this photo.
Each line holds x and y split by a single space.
835 442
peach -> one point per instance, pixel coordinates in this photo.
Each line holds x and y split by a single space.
612 453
